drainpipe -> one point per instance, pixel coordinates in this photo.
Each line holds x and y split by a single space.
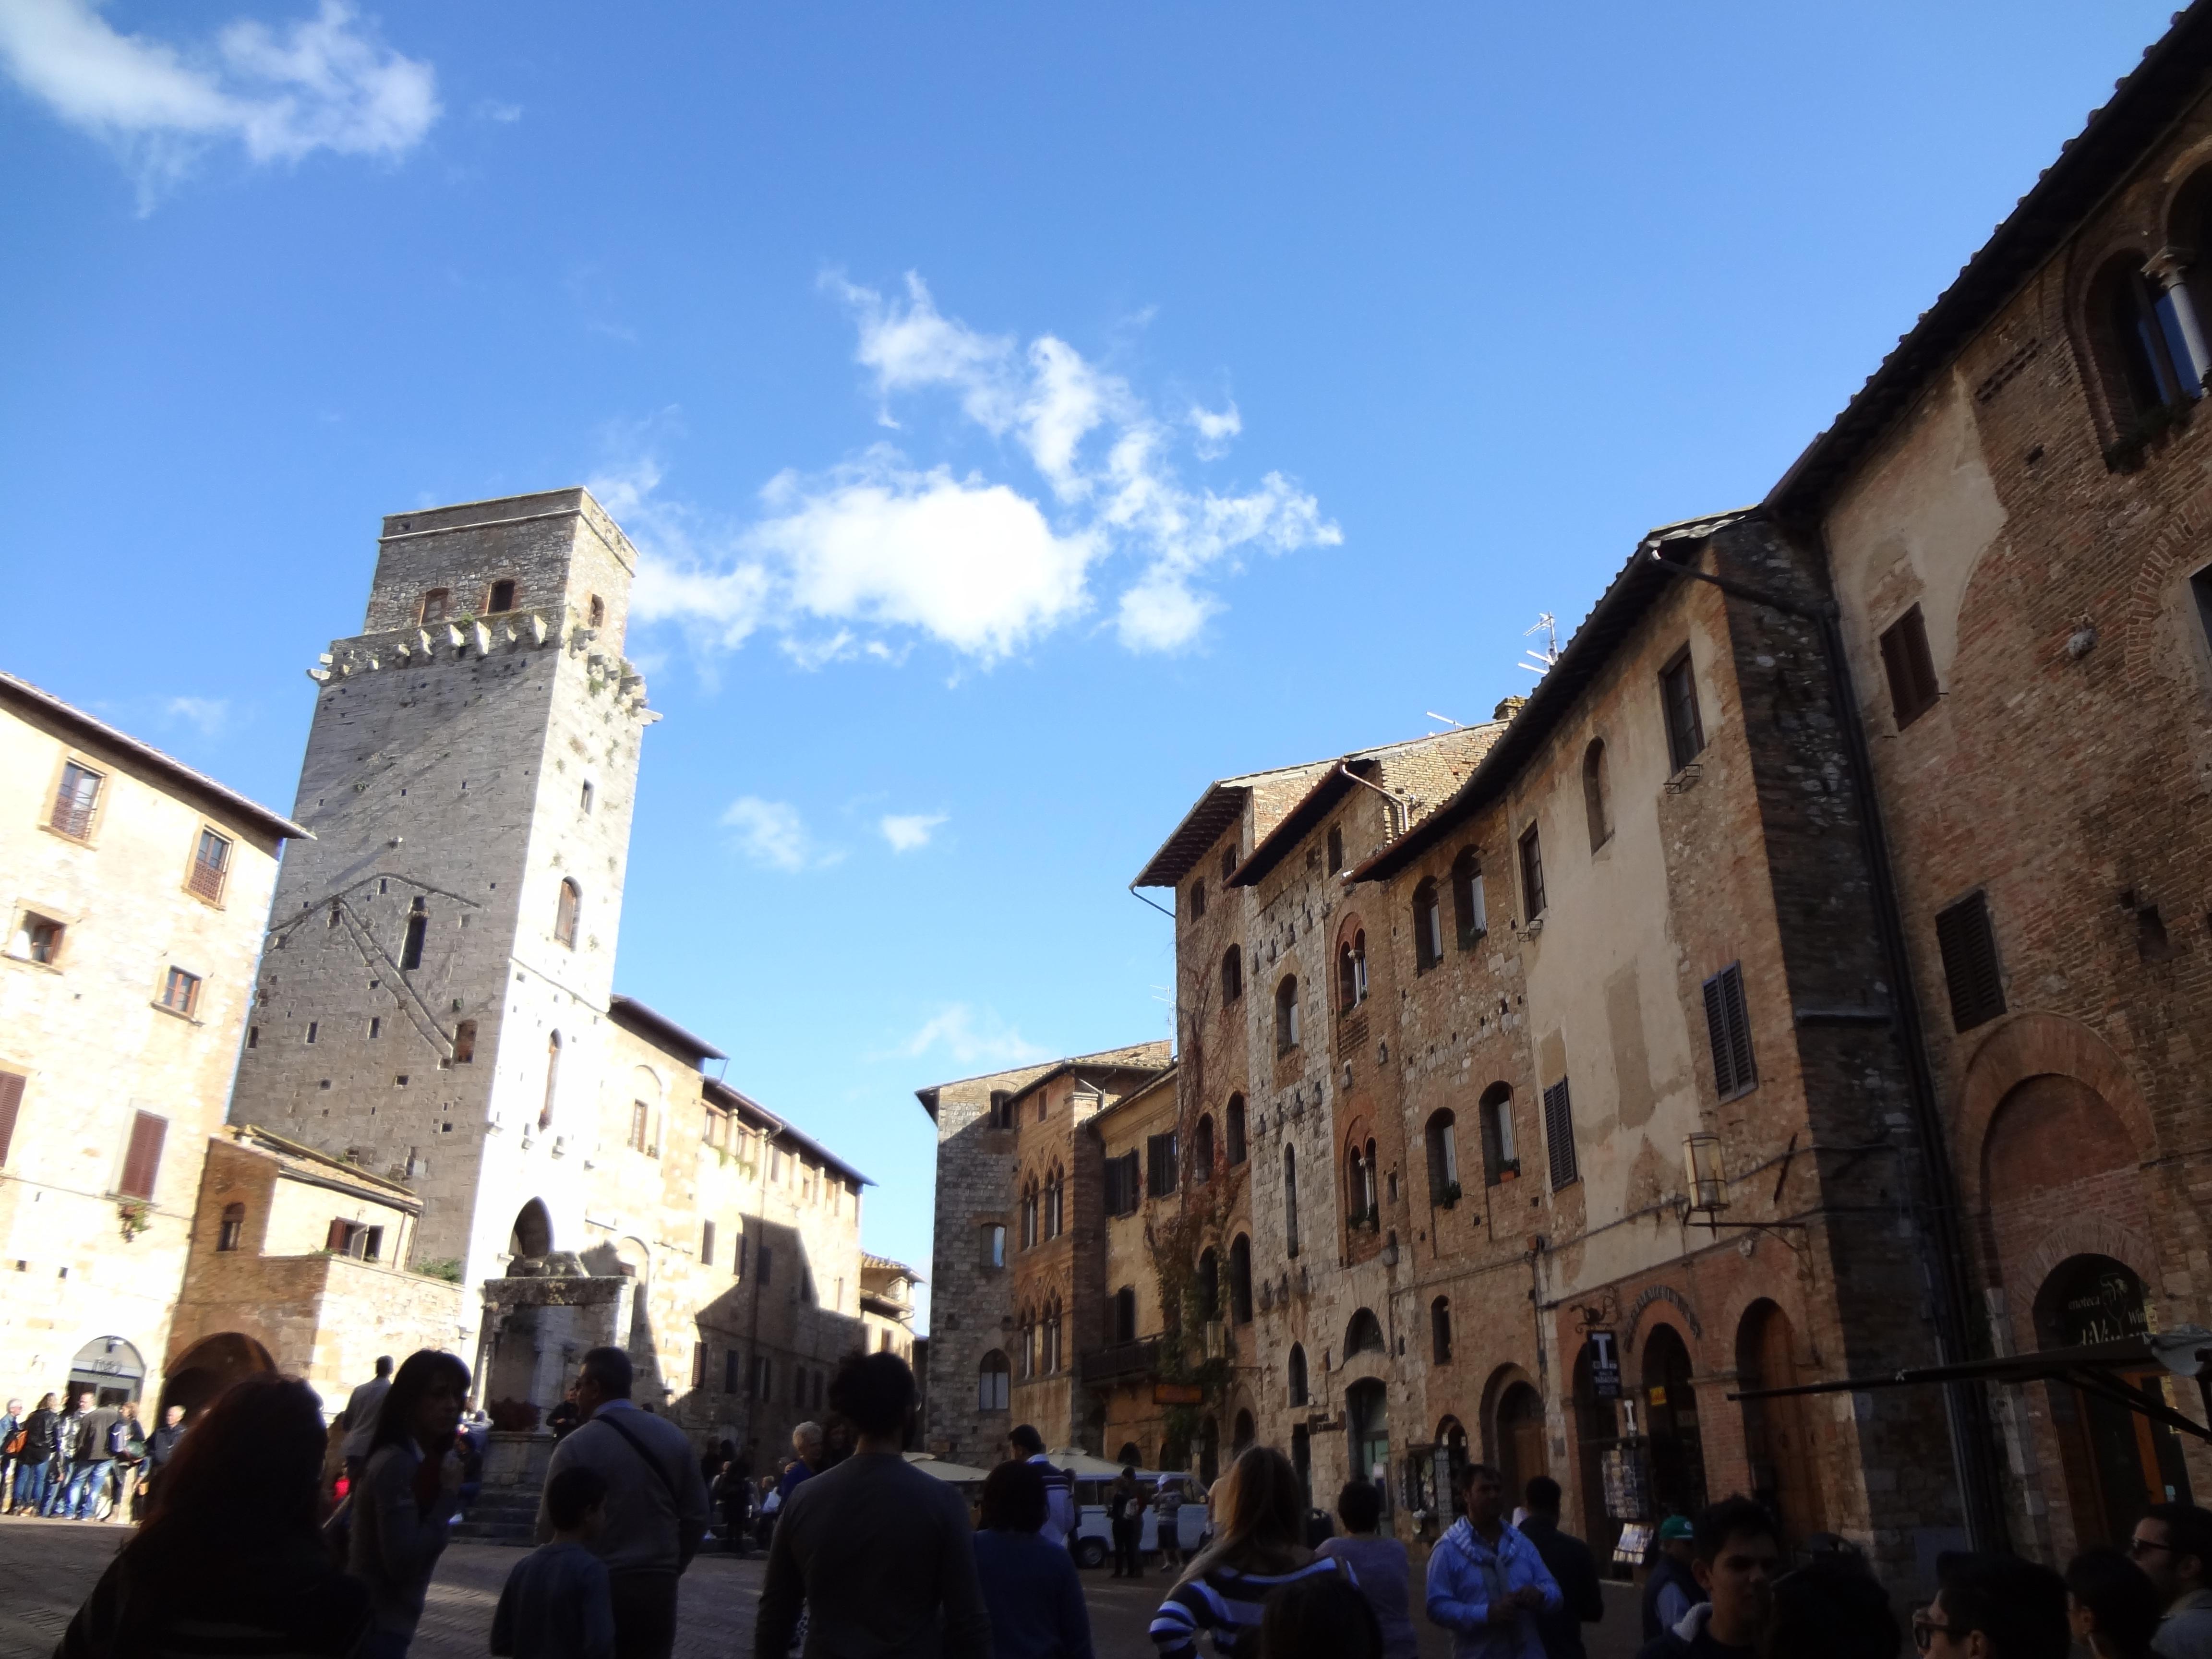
1965 1410
1400 810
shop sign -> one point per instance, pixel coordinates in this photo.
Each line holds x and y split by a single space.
1604 1364
1178 1394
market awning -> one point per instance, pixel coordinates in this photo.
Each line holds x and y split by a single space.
2095 1368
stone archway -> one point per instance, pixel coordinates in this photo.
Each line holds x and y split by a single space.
203 1371
1670 1417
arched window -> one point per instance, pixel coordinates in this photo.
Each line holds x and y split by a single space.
1240 1280
991 1380
1351 971
595 614
1055 1195
1209 1288
1359 1186
1051 1336
1233 1119
233 1227
552 1079
1364 1335
1440 1330
1297 1370
1595 803
1029 1213
1374 1170
1029 1334
2136 338
1500 1160
1125 1313
1443 1159
1201 1150
1286 1014
564 916
1291 1198
1198 898
1232 976
1468 907
1428 928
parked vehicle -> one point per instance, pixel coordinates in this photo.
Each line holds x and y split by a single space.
1094 1533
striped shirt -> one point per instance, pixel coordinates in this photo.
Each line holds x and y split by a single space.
1229 1603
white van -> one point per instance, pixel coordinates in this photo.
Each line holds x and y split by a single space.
1094 1532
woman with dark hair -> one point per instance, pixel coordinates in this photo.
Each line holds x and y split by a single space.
1319 1618
1262 1547
1831 1609
2111 1604
409 1493
231 1557
1030 1587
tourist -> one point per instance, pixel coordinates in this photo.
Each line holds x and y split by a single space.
403 1505
565 1416
92 1458
2111 1606
1167 1521
11 1445
161 1448
1261 1547
1486 1582
1320 1618
1377 1562
1031 1589
879 1554
1736 1553
1125 1514
557 1604
811 1445
771 1502
1028 1446
2016 1608
1671 1588
1831 1609
2172 1544
656 1503
1572 1567
359 1419
231 1559
126 1439
68 1430
34 1465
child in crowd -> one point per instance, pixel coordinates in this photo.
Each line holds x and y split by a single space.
557 1604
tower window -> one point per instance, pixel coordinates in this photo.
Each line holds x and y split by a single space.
1287 1015
1468 907
1911 668
1728 1027
1428 928
501 597
1198 899
180 992
1971 973
74 800
210 860
1232 975
1559 1135
233 1227
1532 873
1352 972
1335 848
1595 804
141 1161
1678 695
596 613
564 918
436 604
584 799
465 1042
1228 862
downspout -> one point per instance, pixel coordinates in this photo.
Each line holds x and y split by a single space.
1965 1412
1400 810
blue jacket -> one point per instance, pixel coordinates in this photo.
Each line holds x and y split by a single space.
1465 1575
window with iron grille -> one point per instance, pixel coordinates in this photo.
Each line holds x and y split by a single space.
210 862
1911 668
142 1160
1678 695
1727 1027
1559 1135
75 801
1969 945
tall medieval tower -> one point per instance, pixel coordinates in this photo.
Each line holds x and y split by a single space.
433 998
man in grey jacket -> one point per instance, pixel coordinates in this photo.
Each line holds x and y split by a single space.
656 1503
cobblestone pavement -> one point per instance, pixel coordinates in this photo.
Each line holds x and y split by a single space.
47 1567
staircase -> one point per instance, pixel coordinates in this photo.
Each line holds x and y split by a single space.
501 1514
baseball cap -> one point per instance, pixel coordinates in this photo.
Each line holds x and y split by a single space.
1675 1526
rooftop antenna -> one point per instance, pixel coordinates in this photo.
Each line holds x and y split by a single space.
1445 719
1538 659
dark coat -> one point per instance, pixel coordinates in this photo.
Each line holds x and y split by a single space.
1575 1569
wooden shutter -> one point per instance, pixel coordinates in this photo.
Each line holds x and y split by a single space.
1970 962
1112 1186
335 1239
1911 669
143 1162
1728 1027
11 1101
1559 1134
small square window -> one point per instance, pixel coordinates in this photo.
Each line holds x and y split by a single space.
37 938
180 992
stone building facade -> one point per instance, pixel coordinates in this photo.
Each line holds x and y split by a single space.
435 1013
135 894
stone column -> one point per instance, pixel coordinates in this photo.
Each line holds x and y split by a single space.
2169 268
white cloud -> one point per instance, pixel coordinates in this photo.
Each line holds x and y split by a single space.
909 832
210 715
880 545
772 834
318 83
969 1038
490 109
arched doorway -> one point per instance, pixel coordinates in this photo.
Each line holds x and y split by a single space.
1367 1422
1245 1434
1597 1431
2117 1462
1777 1433
1451 1445
108 1368
1209 1450
1520 1439
203 1371
1670 1417
533 1230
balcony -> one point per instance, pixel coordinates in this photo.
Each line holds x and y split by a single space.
1123 1360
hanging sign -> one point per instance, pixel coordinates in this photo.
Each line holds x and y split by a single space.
1178 1394
1604 1364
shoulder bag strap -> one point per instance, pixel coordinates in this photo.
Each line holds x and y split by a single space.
667 1482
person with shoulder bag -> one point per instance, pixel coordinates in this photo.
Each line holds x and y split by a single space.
402 1510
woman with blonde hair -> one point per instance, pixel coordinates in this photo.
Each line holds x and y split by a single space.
1262 1547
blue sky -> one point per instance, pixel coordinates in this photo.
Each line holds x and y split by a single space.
1029 413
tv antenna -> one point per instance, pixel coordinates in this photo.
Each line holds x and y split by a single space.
1538 659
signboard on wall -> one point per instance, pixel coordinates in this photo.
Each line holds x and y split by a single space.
1604 1352
1178 1394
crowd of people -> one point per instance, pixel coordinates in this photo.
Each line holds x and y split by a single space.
241 1549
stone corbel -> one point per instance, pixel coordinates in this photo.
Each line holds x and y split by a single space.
454 633
537 631
422 638
484 640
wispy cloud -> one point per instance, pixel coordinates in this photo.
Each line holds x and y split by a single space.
969 1037
490 109
881 547
210 715
909 832
323 82
773 835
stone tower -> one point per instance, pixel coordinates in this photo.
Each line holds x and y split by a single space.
432 1002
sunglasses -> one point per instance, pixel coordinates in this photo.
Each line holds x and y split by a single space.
1925 1628
2139 1547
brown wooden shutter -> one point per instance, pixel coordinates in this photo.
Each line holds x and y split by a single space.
335 1239
1969 945
11 1101
143 1161
1559 1134
1911 668
1728 1027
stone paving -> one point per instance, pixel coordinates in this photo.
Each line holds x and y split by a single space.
47 1567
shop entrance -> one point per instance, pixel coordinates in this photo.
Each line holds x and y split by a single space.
2119 1462
1670 1411
109 1369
